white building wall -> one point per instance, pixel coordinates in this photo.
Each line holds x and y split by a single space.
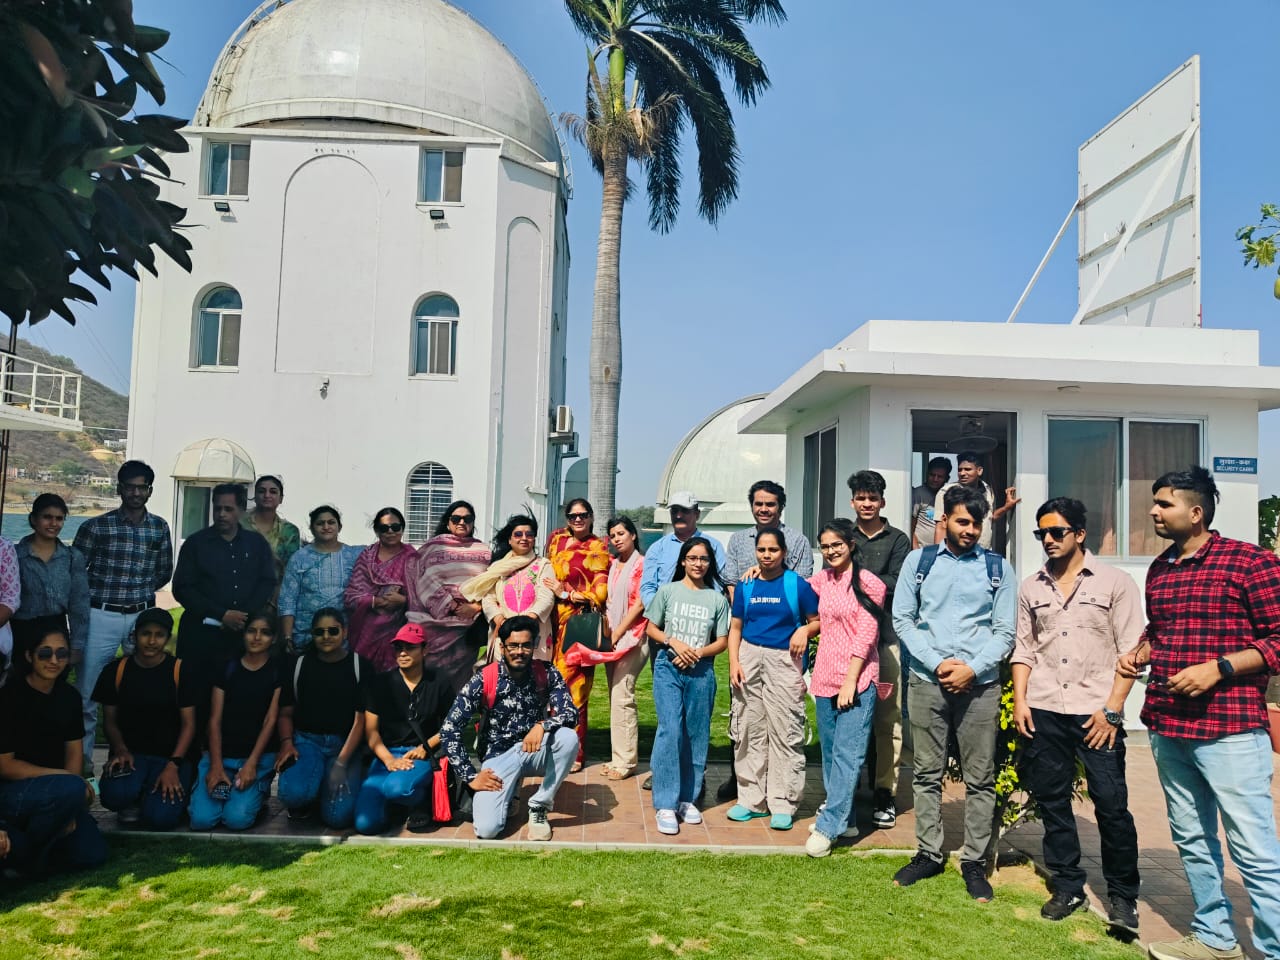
330 253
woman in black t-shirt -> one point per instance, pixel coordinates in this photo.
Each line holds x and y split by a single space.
235 772
321 724
44 803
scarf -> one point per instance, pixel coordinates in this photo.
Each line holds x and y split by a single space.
482 584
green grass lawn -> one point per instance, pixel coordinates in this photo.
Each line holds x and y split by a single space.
183 898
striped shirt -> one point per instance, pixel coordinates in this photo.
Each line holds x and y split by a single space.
740 555
127 563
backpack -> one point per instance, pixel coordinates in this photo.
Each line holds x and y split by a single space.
297 672
791 592
489 678
929 554
177 670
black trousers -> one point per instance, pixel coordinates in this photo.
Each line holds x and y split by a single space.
1050 769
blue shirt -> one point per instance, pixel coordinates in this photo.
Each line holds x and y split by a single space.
769 620
313 580
660 562
955 614
127 563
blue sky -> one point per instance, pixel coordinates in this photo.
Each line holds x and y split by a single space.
911 161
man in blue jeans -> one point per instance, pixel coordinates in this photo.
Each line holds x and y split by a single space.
529 726
1212 637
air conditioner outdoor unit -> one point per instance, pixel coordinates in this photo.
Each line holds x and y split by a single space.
564 420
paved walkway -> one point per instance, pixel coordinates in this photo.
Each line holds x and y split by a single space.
595 813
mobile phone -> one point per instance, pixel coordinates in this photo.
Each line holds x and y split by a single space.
221 792
288 763
119 770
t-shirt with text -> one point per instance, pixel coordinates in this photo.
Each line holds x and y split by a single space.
694 617
768 620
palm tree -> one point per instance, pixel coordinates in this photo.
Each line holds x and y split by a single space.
674 54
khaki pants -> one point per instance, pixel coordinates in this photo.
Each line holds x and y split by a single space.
767 728
624 725
887 725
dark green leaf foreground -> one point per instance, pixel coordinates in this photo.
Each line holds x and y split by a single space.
178 897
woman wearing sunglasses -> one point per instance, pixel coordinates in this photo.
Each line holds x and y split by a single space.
453 625
581 562
377 593
321 725
518 581
316 577
43 801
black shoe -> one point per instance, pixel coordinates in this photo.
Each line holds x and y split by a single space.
727 791
1123 915
975 880
647 782
1062 905
921 867
302 814
419 820
884 809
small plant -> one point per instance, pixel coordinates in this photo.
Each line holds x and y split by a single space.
1259 241
1268 521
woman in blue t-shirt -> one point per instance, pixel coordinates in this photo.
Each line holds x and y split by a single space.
774 618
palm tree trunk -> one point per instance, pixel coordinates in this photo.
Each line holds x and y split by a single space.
606 339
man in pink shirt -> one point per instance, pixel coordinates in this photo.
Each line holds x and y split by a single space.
1076 616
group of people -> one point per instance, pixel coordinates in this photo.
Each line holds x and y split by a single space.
391 653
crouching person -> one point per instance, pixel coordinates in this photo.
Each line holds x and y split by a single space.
403 712
237 769
44 804
150 718
527 725
321 725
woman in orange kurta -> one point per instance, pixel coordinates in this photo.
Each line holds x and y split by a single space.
581 562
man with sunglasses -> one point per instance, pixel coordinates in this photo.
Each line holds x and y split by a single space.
529 727
128 554
1076 616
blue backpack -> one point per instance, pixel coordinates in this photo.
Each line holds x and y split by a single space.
929 554
790 591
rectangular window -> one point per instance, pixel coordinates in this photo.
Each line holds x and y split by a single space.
819 480
441 180
228 169
195 513
219 343
1095 459
437 347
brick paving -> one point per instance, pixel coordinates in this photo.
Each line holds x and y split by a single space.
593 812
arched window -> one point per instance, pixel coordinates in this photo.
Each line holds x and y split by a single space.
217 340
435 336
428 491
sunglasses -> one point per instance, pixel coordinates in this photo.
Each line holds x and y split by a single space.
326 631
388 527
579 516
462 518
53 653
523 535
1055 533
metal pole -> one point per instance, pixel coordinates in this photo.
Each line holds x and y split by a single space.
1045 259
4 435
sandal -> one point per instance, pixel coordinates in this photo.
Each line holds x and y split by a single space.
613 773
577 766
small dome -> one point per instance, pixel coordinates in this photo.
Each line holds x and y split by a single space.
420 64
719 465
214 459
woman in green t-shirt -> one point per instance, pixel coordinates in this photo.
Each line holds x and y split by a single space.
689 621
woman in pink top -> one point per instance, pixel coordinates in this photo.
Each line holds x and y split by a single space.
845 673
518 581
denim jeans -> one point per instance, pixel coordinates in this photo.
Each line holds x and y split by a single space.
409 788
241 808
108 634
553 760
38 810
308 779
136 789
1050 770
843 735
1230 776
683 701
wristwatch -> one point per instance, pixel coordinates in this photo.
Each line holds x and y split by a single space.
546 726
1225 668
1113 717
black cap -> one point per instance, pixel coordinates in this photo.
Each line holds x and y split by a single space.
154 615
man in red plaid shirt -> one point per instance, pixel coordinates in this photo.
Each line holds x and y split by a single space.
1212 638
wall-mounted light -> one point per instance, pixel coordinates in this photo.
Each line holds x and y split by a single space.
324 388
222 206
437 214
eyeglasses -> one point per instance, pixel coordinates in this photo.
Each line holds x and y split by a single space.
1055 533
830 547
53 653
578 516
462 518
136 487
326 631
523 535
388 527
516 647
692 559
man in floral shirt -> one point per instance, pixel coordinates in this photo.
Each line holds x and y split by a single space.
529 728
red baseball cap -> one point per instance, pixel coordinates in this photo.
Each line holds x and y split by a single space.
410 633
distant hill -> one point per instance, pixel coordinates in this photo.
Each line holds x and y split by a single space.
100 407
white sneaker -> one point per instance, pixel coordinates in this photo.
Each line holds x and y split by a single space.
850 832
667 822
818 845
688 813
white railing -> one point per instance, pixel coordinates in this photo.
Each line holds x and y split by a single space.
31 385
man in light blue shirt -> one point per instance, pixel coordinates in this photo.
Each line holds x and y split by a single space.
955 609
660 559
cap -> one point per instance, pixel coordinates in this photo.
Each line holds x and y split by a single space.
410 633
154 615
683 498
